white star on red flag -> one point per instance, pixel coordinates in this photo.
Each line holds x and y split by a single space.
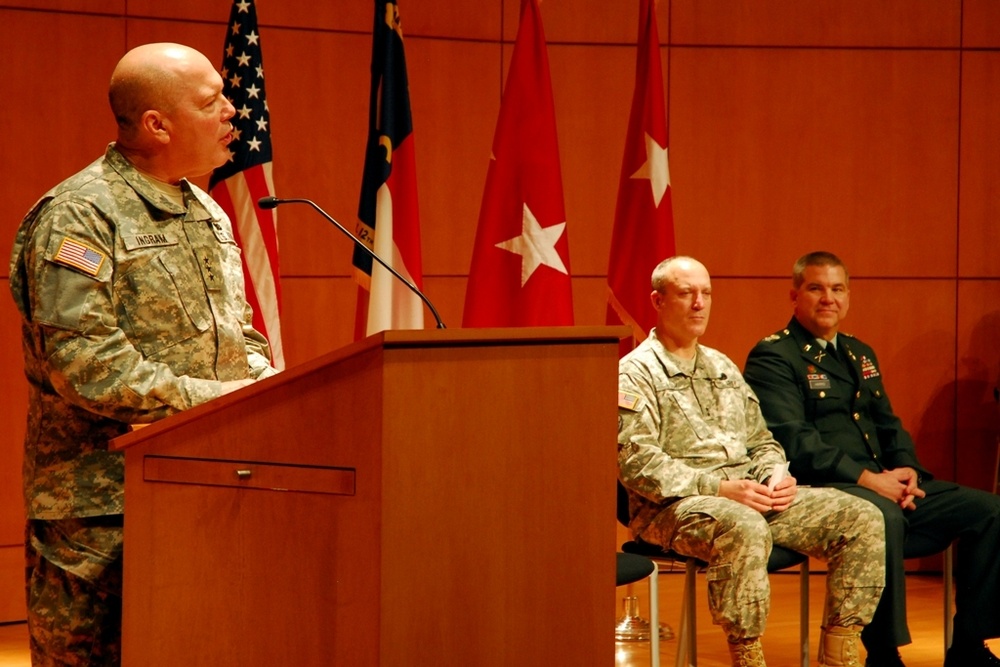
536 245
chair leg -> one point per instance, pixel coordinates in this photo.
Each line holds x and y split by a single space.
654 616
687 647
804 612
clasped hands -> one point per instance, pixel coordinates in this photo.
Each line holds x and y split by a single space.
759 496
898 485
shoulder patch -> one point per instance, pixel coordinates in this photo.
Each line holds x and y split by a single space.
80 256
628 401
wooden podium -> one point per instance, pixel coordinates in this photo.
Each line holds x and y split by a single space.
433 497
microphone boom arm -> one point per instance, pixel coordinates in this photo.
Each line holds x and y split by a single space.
272 202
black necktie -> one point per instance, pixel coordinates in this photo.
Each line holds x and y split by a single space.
831 350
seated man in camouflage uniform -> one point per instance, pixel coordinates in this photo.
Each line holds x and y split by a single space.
697 459
130 289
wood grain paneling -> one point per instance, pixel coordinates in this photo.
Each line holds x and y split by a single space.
978 376
55 119
980 24
319 314
342 15
816 23
477 21
12 605
455 111
595 23
319 114
13 411
104 7
592 89
979 205
774 150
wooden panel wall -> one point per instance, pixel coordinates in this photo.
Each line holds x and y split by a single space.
866 127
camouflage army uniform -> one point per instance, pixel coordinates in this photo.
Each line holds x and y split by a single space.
132 309
682 432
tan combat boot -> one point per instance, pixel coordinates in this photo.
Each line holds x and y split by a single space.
747 653
838 647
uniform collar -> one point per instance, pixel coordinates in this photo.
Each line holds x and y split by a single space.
197 209
811 350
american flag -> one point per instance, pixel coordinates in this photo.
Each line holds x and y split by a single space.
238 184
83 257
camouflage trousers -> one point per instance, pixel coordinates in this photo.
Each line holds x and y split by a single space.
736 542
74 587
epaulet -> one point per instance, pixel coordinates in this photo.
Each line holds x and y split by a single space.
844 333
776 336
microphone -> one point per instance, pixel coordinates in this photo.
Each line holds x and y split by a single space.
272 202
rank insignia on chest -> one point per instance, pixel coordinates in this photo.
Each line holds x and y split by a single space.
818 381
868 370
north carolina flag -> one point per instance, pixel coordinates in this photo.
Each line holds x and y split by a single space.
520 273
644 223
389 221
238 184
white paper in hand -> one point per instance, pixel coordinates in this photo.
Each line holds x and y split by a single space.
778 473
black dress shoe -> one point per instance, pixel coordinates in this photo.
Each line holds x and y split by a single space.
884 658
970 655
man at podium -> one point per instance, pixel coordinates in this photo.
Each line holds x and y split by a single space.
130 289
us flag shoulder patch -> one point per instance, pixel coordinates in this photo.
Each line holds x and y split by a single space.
79 256
628 401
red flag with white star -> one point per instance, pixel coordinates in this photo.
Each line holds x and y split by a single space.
238 184
520 263
643 234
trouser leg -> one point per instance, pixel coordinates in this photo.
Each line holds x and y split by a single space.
733 539
72 621
888 628
972 517
848 533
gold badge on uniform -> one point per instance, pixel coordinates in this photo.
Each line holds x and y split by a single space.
79 256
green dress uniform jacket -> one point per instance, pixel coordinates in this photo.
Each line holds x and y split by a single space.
834 420
833 417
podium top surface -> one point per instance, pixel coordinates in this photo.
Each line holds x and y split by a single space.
393 340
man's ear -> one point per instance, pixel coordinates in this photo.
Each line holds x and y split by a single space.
155 126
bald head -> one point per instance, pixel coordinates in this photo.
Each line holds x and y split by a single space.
664 271
173 115
148 78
